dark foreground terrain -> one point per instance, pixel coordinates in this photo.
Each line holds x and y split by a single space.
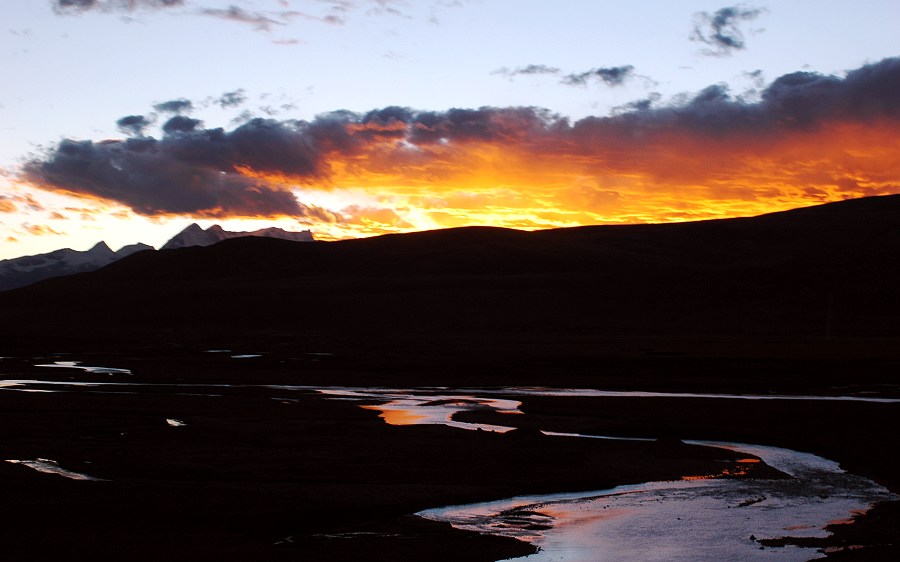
803 302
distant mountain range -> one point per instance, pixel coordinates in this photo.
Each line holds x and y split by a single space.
817 272
19 272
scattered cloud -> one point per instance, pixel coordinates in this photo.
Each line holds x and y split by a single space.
19 202
531 69
179 105
242 117
373 219
807 138
721 30
339 9
259 21
757 82
41 230
336 12
332 12
232 99
611 76
82 6
134 124
756 77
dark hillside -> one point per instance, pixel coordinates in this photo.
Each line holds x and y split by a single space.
814 273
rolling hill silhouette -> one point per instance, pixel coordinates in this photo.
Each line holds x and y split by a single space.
812 273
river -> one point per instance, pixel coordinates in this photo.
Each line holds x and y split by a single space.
692 520
698 518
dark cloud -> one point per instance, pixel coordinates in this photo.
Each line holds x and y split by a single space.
243 172
82 6
800 100
155 177
486 124
75 4
531 69
180 124
180 105
611 76
388 117
721 30
134 124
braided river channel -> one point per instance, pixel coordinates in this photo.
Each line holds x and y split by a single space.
692 519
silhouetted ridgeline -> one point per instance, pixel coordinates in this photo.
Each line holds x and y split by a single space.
818 272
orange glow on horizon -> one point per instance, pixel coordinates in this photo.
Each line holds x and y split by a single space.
671 177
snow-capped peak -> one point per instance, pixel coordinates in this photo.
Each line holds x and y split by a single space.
18 272
194 235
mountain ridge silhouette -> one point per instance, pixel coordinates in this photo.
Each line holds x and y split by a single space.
815 272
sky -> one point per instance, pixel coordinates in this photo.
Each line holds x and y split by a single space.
127 120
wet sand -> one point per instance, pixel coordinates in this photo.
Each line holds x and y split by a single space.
251 476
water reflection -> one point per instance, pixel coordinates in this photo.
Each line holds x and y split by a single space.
405 408
596 393
34 385
48 466
87 369
699 518
397 417
690 520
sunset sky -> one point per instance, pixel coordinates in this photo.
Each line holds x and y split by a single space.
126 120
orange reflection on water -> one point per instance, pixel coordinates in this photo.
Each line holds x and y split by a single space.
737 470
854 513
701 477
396 417
799 527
